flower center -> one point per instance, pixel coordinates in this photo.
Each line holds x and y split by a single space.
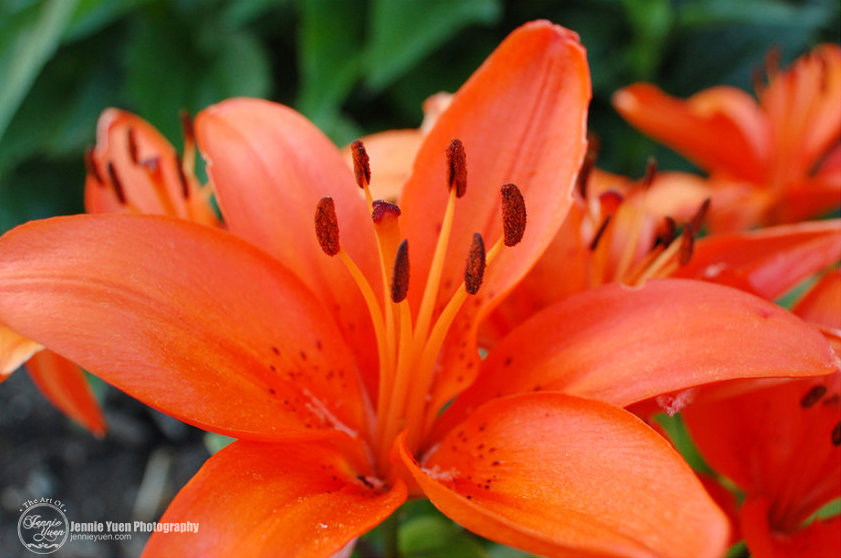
626 244
408 346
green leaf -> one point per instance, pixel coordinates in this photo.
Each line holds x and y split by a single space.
651 22
92 15
329 56
432 536
27 40
402 33
753 12
175 64
215 442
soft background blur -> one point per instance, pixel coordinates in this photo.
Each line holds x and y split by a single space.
353 67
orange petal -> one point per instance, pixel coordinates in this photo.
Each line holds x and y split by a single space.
819 539
270 166
66 386
758 437
391 154
821 304
149 179
189 319
720 128
14 350
621 345
803 109
767 262
275 500
521 118
564 476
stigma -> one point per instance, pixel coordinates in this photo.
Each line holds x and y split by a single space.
409 338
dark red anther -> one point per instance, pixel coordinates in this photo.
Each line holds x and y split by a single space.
650 173
187 126
474 270
400 278
182 178
666 233
513 214
700 215
132 146
813 396
115 181
599 233
457 167
836 434
361 166
383 209
687 243
90 165
327 226
589 162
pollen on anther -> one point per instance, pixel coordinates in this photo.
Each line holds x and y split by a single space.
185 187
91 167
650 173
327 226
383 209
118 186
457 167
400 279
132 146
474 270
599 233
687 242
361 166
187 125
513 214
701 214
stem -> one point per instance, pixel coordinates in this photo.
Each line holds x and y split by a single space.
391 544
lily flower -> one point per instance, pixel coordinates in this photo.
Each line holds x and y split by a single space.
781 445
772 162
329 354
133 169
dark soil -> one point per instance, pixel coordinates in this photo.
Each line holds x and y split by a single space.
130 475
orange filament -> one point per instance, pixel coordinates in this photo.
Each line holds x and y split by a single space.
409 349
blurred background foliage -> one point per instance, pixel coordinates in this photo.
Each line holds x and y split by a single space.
352 66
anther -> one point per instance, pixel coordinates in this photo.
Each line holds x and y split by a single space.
650 173
813 396
457 167
513 214
599 233
698 219
666 233
836 434
187 126
400 278
118 186
588 164
474 270
90 164
185 187
361 167
383 209
327 226
132 146
687 243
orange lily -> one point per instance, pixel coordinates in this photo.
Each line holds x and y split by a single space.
781 445
134 169
332 371
774 162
